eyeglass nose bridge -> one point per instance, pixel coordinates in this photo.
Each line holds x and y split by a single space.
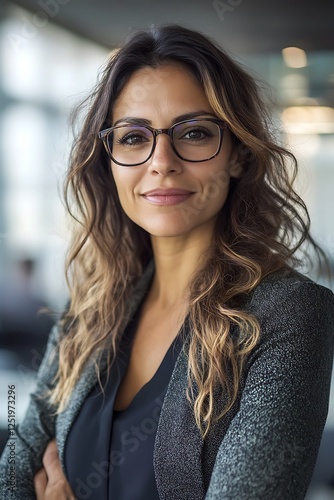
159 131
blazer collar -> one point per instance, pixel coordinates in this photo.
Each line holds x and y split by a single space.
178 444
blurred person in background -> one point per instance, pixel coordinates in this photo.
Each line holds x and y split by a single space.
193 360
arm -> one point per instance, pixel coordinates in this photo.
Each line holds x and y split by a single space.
270 448
34 432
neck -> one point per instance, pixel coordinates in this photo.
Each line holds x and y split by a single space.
177 259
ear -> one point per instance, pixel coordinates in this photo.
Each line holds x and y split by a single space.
235 165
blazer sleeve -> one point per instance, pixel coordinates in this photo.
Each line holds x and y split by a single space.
271 445
32 434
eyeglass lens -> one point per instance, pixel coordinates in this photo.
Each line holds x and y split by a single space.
194 141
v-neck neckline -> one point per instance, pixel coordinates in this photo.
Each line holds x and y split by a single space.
159 380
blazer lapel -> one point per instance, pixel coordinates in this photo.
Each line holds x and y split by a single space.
178 444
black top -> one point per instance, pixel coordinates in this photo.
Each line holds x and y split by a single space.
109 453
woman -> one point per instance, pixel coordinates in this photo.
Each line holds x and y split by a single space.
193 361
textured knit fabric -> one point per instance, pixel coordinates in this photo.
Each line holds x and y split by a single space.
264 448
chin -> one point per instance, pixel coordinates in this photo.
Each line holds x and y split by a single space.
175 225
166 229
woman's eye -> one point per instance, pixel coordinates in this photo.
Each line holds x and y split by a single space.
132 139
196 135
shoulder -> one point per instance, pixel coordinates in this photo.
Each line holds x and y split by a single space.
295 312
288 290
286 279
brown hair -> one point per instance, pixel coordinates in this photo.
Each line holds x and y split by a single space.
259 229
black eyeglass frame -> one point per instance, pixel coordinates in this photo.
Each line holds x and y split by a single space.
103 135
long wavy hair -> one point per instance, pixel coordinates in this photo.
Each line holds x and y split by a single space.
258 231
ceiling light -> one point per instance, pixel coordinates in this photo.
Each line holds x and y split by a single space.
294 57
308 119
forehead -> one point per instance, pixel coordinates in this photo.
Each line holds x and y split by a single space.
160 92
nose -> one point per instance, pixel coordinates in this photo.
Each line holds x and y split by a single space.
164 160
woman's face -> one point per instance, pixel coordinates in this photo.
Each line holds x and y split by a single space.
160 97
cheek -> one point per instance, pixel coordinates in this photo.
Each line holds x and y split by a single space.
218 179
118 183
125 183
216 186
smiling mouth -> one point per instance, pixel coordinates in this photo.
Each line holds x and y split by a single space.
167 197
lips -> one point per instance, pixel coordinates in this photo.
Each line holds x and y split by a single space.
169 196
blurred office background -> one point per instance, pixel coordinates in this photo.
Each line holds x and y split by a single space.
50 54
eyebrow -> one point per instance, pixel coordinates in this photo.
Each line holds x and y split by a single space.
180 118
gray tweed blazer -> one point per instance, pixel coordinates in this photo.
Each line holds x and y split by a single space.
264 448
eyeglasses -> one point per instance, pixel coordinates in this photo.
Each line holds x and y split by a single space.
130 145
